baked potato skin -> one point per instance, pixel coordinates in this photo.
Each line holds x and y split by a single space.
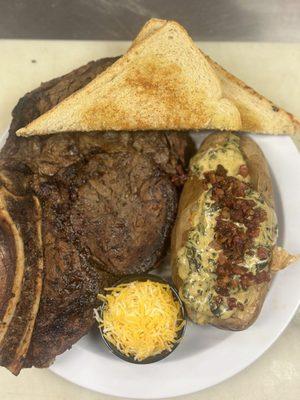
260 179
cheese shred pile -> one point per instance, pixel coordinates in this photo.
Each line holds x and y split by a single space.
141 319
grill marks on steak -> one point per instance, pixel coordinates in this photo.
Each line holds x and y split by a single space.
70 285
108 204
23 215
123 193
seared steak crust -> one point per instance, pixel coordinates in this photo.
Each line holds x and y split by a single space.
108 204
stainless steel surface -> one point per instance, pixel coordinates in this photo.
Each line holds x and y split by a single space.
212 20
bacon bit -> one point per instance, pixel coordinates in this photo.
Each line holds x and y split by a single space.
262 253
221 271
222 291
262 276
243 170
237 215
253 233
218 192
225 213
222 282
232 303
210 177
234 283
215 245
222 259
238 189
236 270
221 171
246 281
228 194
178 180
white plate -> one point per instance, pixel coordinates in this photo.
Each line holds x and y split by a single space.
206 355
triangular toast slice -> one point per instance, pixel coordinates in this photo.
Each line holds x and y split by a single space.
258 114
163 82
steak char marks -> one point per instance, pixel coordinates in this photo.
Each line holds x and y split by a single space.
107 204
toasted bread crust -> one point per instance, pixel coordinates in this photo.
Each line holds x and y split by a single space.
258 114
162 82
239 107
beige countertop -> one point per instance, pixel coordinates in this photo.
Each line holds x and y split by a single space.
272 69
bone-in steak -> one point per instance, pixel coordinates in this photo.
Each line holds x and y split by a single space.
22 214
108 202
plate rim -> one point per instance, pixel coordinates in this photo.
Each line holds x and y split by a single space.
129 394
183 393
233 372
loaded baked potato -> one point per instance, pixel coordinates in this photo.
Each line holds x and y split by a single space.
223 241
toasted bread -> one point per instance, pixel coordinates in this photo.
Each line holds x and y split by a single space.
258 114
163 82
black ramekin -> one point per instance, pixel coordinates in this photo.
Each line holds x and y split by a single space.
180 334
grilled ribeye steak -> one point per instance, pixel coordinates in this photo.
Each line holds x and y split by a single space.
107 203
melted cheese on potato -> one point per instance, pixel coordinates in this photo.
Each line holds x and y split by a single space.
197 259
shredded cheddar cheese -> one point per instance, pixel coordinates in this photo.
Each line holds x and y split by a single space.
141 319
